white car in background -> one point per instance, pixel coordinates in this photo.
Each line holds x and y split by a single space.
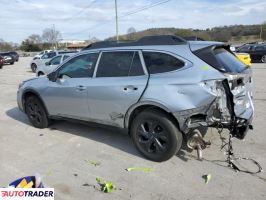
36 62
39 55
51 65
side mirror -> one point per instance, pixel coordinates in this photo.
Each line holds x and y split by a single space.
52 76
47 63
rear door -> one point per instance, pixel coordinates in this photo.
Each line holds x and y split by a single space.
119 83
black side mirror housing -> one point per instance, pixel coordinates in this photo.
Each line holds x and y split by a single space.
47 63
52 76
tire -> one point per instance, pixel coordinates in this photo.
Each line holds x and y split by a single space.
33 67
1 66
263 59
36 112
156 135
12 63
40 73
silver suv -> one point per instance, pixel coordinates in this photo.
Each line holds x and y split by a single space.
160 88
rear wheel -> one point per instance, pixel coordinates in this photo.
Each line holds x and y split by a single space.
36 112
156 135
263 59
33 67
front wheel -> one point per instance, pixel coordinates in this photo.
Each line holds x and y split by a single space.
263 59
33 67
156 135
36 112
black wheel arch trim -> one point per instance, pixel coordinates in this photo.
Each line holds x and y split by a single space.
36 94
133 108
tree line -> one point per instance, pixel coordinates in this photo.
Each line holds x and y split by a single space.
223 34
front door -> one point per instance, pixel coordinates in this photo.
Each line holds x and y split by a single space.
67 97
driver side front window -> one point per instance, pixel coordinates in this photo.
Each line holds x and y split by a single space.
79 67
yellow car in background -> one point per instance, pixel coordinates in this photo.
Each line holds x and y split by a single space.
244 57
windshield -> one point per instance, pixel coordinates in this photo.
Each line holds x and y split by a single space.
229 61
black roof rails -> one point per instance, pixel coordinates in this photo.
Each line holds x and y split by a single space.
193 38
145 41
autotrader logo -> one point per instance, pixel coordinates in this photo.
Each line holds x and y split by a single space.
26 193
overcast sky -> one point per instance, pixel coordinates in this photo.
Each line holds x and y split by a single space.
82 19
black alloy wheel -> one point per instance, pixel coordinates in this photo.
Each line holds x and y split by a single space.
156 135
36 112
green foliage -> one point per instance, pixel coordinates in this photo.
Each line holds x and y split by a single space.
223 33
29 46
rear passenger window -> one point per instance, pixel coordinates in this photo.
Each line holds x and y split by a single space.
119 64
161 62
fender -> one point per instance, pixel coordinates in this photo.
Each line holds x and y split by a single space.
35 93
142 103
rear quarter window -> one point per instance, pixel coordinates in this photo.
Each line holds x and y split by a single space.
221 59
157 62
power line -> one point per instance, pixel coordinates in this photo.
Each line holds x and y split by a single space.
81 11
125 15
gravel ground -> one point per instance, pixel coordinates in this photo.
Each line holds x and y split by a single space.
59 154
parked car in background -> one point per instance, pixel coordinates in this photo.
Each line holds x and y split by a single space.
15 55
257 52
36 62
42 60
51 65
2 61
163 89
39 55
8 58
244 57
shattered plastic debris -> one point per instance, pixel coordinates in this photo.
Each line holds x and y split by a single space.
207 178
139 169
93 162
106 186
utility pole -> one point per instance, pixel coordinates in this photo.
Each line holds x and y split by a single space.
116 21
261 32
54 37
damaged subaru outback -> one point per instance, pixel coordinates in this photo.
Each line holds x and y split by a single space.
160 88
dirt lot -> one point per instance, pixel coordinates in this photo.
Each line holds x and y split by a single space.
59 154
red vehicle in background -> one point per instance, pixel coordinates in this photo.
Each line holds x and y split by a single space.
1 62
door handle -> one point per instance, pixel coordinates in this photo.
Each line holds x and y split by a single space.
81 88
130 88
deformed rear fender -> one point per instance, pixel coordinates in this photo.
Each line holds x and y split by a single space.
138 105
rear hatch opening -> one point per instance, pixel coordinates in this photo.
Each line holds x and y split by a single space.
238 112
